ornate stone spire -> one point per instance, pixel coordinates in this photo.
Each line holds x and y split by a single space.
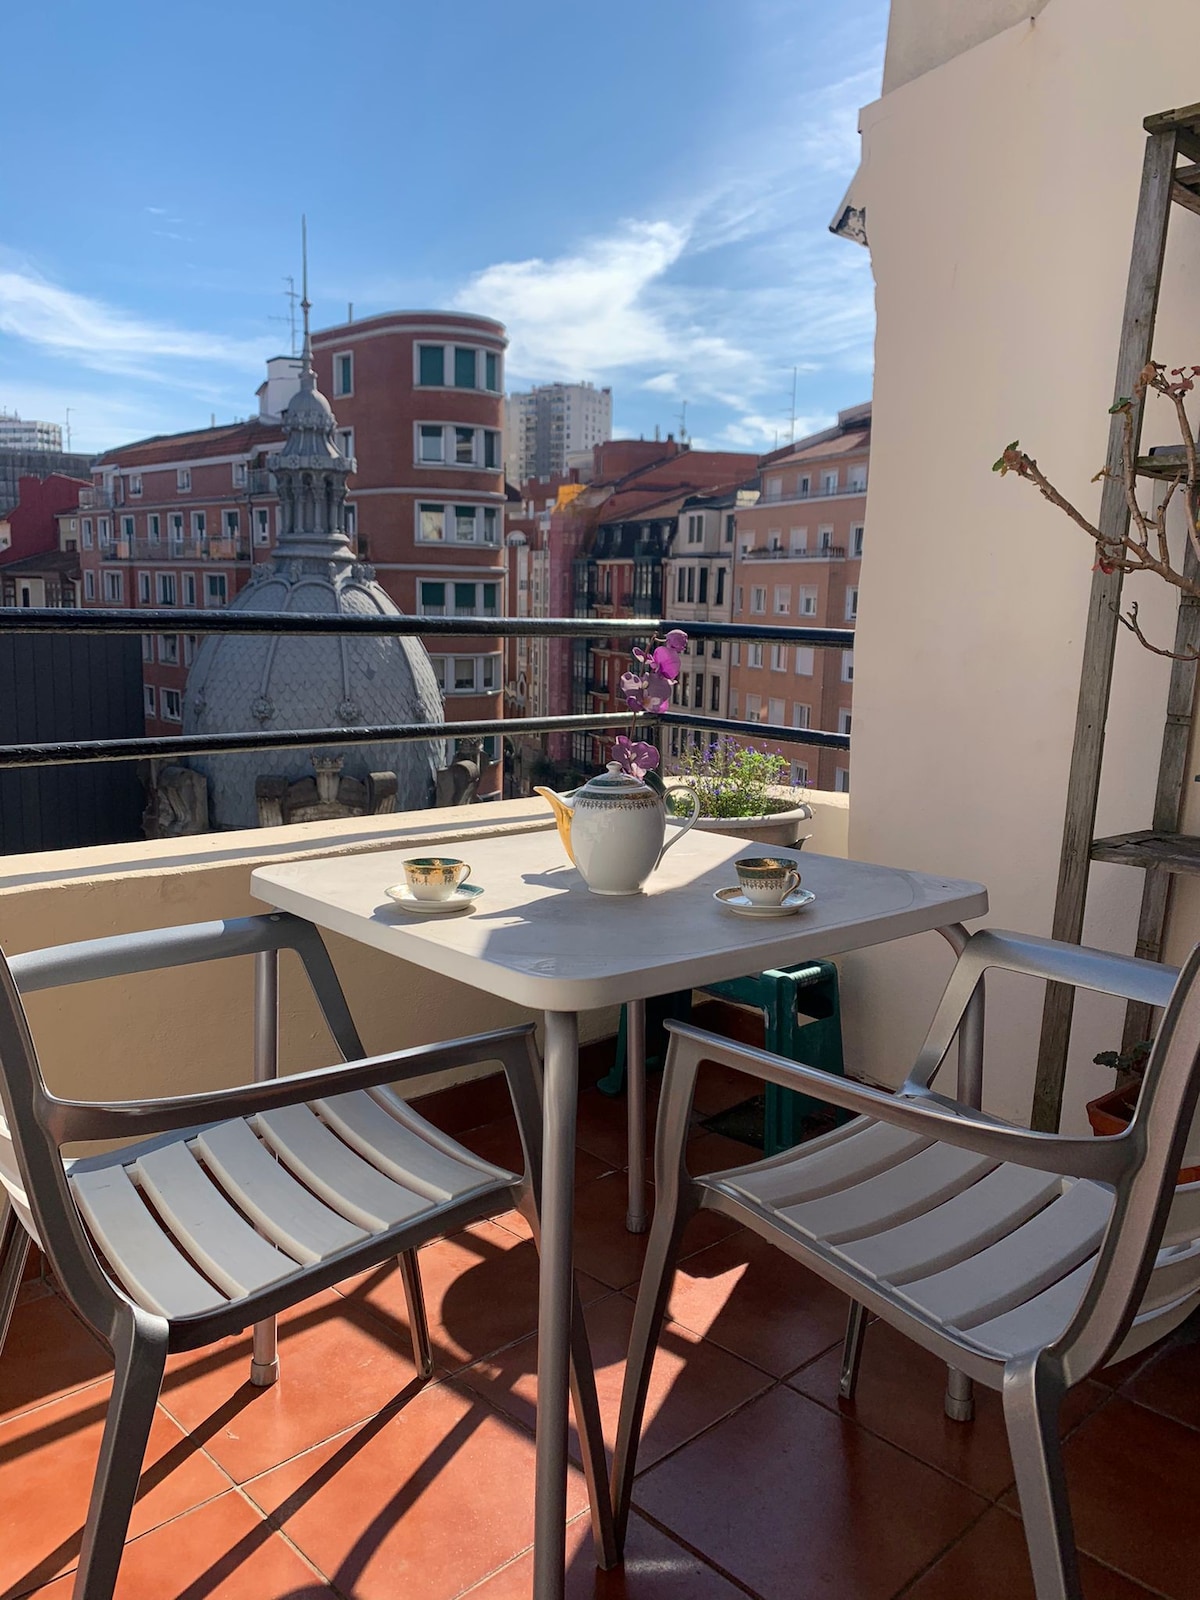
310 470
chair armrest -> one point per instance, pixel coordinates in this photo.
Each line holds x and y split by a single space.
915 1108
72 1120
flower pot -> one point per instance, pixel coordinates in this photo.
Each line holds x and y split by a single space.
780 828
1110 1113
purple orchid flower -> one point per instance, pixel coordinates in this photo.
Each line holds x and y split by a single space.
657 692
676 640
634 757
666 661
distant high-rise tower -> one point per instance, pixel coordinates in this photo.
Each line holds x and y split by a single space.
550 423
19 433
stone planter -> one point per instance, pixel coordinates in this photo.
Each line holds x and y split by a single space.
781 829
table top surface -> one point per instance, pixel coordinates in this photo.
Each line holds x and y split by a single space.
538 937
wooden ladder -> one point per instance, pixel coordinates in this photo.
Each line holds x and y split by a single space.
1172 137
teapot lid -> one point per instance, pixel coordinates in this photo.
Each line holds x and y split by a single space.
613 781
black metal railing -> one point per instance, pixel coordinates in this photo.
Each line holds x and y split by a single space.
96 620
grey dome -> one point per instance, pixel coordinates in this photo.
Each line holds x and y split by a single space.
241 683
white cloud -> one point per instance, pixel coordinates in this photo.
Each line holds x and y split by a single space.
105 338
663 383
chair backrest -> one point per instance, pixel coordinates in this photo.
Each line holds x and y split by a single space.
1147 1275
35 1124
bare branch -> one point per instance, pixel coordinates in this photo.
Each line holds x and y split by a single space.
1130 621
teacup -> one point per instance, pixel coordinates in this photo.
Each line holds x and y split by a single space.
767 880
435 877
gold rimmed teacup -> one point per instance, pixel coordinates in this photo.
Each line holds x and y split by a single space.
767 880
435 877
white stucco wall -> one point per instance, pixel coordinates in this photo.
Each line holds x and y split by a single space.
1000 190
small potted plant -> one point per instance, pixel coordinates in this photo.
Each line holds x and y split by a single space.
744 792
1111 1113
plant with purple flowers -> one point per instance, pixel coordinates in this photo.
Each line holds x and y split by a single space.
648 689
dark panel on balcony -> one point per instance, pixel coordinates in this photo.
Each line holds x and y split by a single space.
55 688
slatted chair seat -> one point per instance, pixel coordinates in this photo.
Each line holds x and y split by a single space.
215 1211
1024 1260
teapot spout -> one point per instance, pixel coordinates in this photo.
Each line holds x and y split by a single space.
562 816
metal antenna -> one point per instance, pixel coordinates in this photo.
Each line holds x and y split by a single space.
305 305
291 297
68 430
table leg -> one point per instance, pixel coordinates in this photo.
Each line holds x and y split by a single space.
264 1362
559 1102
635 1103
959 1399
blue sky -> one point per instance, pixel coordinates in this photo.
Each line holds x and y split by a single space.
640 190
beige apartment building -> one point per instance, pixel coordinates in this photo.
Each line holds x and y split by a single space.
797 557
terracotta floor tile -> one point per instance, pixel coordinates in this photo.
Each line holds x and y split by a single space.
693 1385
1170 1380
655 1568
500 1143
601 1126
749 1298
991 1563
421 1502
480 1293
47 1463
223 1551
337 1366
720 1088
795 1502
713 1152
1132 1475
606 1250
467 1105
899 1396
48 1353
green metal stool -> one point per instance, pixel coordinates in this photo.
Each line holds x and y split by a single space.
781 994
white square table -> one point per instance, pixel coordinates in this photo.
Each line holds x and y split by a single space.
537 937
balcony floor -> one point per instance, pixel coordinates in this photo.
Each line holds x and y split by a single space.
349 1479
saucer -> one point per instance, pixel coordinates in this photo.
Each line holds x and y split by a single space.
735 900
463 898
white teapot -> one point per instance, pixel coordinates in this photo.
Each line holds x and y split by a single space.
614 829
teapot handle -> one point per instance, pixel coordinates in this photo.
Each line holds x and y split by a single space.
681 826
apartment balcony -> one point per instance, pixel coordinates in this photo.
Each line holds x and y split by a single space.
259 481
830 552
97 500
177 550
349 1472
814 494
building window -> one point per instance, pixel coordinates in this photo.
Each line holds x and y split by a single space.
805 660
829 482
262 525
491 448
172 705
825 538
803 485
691 584
774 489
87 533
730 524
168 649
431 365
801 715
758 602
775 712
432 446
189 588
702 586
149 705
89 585
233 525
719 598
714 694
345 442
183 480
799 541
699 701
464 368
199 524
735 653
491 363
695 529
144 588
189 648
799 774
856 539
714 649
105 532
847 666
147 647
681 587
166 589
808 602
841 780
350 520
343 374
175 524
844 721
432 599
734 704
127 528
464 674
754 708
216 591
114 587
431 524
858 479
774 540
779 657
135 485
783 600
238 470
851 604
154 527
464 524
754 655
464 447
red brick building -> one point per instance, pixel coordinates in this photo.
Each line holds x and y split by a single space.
797 561
34 569
419 398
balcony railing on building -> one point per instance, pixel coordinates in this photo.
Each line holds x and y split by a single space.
815 494
826 552
204 549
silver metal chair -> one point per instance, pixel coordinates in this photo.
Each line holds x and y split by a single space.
1024 1260
235 1204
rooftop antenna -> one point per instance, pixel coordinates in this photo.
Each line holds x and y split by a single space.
305 303
291 297
683 424
68 430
